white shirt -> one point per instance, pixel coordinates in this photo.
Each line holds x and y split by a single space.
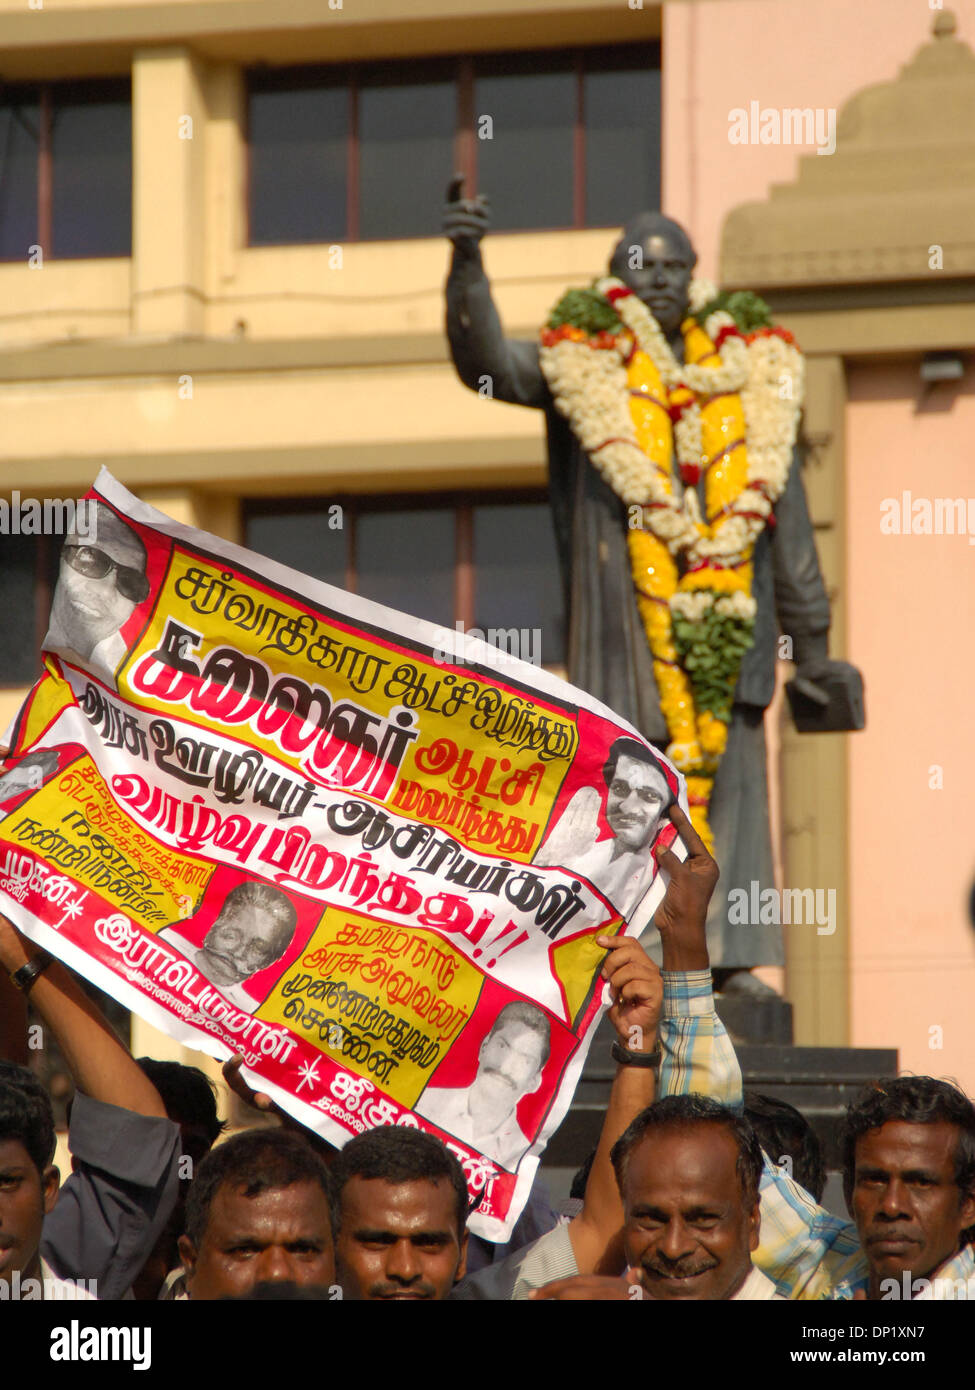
757 1288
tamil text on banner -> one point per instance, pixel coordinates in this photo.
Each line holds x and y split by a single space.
372 857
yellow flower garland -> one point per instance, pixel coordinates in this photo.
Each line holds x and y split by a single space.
620 393
697 738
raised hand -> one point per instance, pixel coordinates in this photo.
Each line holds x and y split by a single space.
465 220
637 991
682 915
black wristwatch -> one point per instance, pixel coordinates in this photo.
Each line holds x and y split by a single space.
23 978
627 1058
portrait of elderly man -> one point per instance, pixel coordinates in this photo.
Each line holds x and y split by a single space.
510 1063
252 930
101 581
637 797
28 775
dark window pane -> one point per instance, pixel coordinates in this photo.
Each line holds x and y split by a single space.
406 155
19 130
298 132
406 560
517 575
526 167
19 638
91 179
302 539
622 144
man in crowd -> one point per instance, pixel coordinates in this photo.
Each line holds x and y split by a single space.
252 930
509 1066
688 1171
109 1213
258 1213
909 1160
400 1216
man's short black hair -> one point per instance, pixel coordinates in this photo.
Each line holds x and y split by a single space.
917 1100
684 1112
396 1154
529 1016
630 748
258 1160
784 1132
189 1095
26 1114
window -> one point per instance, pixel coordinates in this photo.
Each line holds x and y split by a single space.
449 559
28 574
66 169
346 153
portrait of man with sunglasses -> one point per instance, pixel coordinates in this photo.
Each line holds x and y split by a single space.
102 580
634 806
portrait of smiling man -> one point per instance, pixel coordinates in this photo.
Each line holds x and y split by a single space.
637 797
101 581
400 1202
688 1171
510 1062
252 930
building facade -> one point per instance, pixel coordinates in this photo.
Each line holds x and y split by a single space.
221 277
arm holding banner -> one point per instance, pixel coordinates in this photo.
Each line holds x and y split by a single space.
804 1249
112 1208
99 1064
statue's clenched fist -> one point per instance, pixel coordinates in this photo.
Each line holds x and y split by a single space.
465 220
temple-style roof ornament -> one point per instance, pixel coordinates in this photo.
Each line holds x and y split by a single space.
894 201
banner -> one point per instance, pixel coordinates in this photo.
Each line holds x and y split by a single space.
369 855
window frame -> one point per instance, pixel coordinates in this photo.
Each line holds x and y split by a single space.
465 68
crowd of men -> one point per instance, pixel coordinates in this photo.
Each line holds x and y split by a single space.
695 1191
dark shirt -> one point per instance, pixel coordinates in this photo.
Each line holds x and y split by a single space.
112 1208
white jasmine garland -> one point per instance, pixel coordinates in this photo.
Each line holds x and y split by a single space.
590 389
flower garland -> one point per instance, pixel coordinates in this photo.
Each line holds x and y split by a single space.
731 413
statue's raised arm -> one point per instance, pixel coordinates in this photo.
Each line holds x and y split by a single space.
485 360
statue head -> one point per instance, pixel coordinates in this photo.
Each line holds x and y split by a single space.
655 258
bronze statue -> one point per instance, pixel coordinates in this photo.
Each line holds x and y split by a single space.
614 509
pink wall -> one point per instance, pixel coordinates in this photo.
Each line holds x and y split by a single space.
719 55
912 598
912 628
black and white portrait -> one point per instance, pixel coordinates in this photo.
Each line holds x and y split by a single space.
510 1062
634 800
101 581
253 929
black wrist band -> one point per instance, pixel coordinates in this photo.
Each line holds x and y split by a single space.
23 978
635 1059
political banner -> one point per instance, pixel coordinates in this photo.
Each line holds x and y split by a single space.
367 854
